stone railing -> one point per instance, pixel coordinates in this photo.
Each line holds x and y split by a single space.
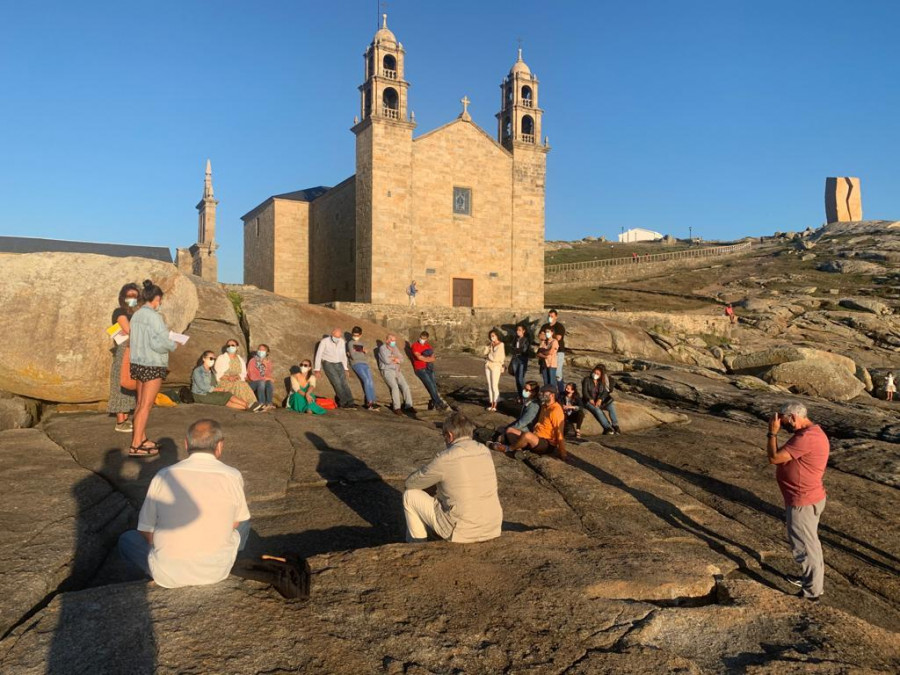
527 138
391 74
527 102
390 113
623 269
653 257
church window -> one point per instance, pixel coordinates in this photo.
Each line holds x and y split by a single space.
367 102
507 127
389 64
462 201
257 227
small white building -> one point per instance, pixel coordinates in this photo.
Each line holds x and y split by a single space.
639 234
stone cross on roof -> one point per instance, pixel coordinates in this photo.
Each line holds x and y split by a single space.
465 113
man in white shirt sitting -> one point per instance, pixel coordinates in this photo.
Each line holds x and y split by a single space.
194 519
466 507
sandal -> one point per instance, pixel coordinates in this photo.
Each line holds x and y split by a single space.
141 451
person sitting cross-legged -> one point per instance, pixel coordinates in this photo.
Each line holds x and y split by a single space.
466 507
195 517
531 406
548 436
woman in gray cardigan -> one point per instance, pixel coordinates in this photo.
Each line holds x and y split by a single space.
150 347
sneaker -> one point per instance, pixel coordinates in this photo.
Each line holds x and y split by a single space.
257 407
373 406
431 405
617 431
397 411
125 427
410 410
809 598
796 581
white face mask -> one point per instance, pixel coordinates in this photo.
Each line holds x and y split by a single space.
356 337
210 361
304 369
525 393
549 335
393 343
231 349
335 340
131 302
262 353
422 341
595 376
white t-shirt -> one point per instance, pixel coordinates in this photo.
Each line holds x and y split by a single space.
191 508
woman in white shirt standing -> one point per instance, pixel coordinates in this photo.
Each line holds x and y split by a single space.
493 367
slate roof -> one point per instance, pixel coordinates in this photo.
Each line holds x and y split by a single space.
35 245
307 195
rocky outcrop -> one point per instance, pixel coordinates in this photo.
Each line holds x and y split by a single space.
851 267
866 305
59 522
17 412
63 303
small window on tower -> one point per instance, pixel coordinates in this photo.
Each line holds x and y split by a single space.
462 201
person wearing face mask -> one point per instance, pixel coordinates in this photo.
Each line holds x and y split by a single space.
331 355
150 347
389 358
231 374
531 406
493 367
800 467
521 354
548 436
571 405
260 378
423 367
547 352
359 361
122 401
302 398
203 386
596 395
559 333
466 506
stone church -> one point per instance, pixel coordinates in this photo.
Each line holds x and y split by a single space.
455 209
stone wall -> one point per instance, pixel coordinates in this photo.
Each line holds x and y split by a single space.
259 248
449 245
291 255
580 274
332 244
529 178
449 327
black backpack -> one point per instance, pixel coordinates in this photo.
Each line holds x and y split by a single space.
288 574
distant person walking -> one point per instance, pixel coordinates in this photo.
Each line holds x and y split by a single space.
150 347
390 357
493 367
331 355
729 312
412 291
521 354
359 361
800 468
122 401
889 387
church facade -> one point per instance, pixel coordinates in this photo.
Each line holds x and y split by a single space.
456 210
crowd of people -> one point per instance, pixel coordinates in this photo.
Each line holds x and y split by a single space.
465 506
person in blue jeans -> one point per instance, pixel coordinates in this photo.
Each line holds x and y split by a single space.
358 356
521 354
423 367
596 394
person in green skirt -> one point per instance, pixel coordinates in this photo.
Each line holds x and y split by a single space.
302 398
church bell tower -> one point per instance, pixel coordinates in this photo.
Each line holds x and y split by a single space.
383 169
519 119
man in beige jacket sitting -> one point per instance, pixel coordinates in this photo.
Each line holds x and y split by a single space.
466 507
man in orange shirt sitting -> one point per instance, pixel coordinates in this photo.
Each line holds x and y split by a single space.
548 435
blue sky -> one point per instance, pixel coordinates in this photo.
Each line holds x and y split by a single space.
722 115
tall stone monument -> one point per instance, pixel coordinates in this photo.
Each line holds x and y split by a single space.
843 201
200 259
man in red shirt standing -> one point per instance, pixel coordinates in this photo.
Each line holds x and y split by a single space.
423 366
800 467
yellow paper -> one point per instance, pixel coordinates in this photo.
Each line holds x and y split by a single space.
115 328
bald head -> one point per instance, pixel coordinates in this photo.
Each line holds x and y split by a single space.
337 332
204 436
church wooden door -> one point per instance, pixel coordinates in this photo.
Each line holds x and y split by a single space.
463 292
